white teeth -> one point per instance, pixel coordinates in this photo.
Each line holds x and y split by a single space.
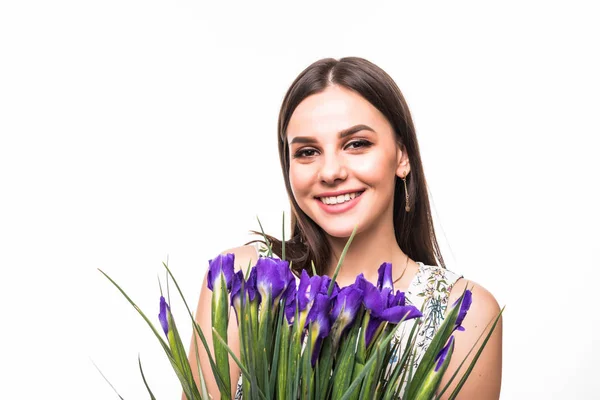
339 199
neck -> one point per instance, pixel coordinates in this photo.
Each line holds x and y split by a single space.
365 255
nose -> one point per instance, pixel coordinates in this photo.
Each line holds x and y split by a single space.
333 170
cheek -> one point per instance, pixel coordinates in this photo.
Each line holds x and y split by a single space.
375 170
300 179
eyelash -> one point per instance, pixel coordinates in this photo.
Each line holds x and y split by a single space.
302 153
362 142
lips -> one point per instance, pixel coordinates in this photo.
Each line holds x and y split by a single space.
340 198
335 203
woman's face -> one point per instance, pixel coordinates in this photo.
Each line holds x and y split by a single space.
344 159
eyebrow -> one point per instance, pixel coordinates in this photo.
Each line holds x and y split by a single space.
341 134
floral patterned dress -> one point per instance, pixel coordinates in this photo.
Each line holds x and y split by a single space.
429 292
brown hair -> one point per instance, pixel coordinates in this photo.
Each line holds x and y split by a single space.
414 229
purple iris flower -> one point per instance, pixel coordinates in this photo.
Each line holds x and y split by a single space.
319 314
384 278
325 282
162 316
236 288
290 291
222 264
383 305
443 353
346 305
251 288
464 307
398 299
273 276
308 288
301 299
318 320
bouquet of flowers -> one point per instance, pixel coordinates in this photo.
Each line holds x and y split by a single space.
305 337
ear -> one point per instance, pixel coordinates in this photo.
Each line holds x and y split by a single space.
403 163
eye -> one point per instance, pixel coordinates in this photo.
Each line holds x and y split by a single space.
304 153
357 144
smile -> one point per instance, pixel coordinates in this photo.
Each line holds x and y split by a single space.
343 198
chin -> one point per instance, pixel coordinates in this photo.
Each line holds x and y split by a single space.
339 231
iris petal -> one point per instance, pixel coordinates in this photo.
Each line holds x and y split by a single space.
397 313
272 276
223 263
464 307
236 286
384 280
162 316
251 286
373 300
349 299
443 353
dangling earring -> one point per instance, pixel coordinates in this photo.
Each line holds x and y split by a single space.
407 206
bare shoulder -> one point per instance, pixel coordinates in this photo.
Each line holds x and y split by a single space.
243 256
484 382
484 306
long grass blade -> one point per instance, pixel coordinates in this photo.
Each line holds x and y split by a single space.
158 336
106 379
245 372
267 241
437 343
341 260
463 379
203 389
350 392
144 379
196 326
464 359
276 348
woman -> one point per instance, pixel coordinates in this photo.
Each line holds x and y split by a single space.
350 157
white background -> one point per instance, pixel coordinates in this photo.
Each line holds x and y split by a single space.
133 131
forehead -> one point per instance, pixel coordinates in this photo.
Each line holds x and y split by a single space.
334 109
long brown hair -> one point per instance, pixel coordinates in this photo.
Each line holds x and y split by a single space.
414 229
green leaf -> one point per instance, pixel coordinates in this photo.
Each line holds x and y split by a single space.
351 391
323 376
341 260
144 379
276 351
107 381
427 388
198 331
220 322
269 246
397 376
245 372
188 387
344 363
158 336
437 343
203 390
472 365
183 370
283 343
